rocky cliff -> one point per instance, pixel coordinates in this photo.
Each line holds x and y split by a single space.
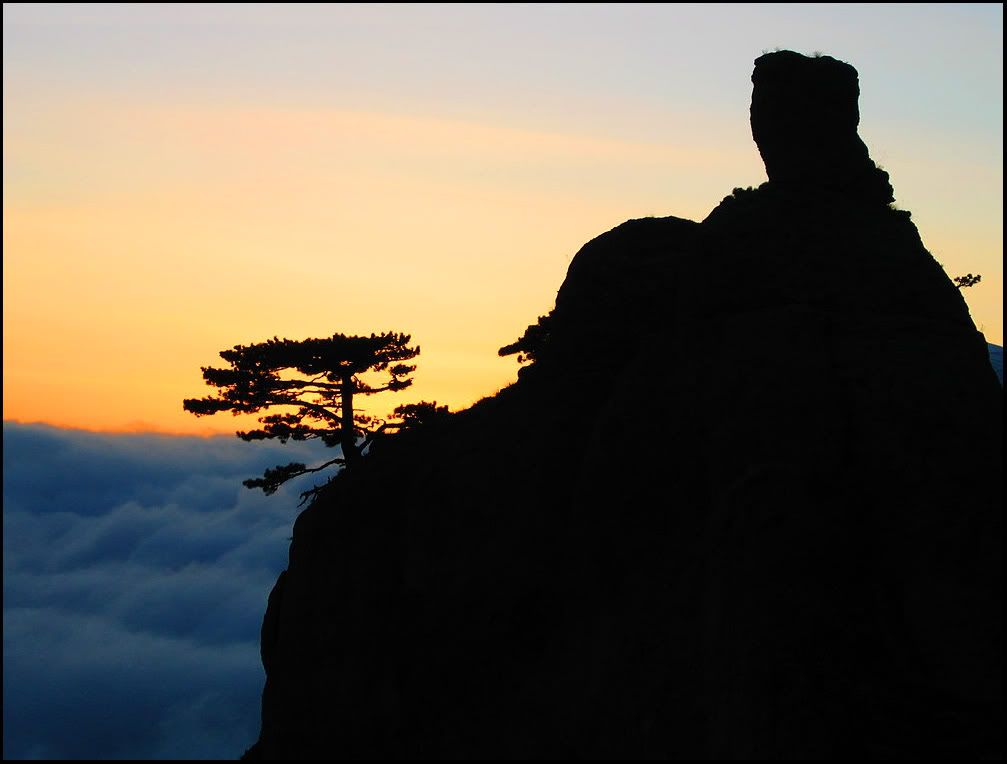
744 503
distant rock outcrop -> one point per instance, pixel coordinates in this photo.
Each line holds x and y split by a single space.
745 503
805 114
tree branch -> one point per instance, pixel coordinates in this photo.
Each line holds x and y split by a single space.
372 435
305 404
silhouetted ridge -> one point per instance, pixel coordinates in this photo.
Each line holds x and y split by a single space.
608 305
805 115
745 502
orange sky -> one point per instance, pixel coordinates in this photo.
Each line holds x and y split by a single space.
149 223
200 229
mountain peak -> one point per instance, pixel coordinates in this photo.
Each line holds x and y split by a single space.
804 116
746 503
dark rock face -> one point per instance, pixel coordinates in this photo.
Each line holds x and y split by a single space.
804 121
746 503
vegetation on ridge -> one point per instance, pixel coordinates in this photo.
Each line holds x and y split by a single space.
318 379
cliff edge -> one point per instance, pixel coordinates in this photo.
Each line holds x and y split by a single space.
745 503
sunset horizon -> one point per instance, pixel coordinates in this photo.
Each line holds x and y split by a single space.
153 217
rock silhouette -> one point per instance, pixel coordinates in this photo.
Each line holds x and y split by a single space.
805 114
746 503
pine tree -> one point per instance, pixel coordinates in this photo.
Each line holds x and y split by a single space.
315 382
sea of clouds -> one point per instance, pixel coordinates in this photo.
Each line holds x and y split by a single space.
997 360
136 571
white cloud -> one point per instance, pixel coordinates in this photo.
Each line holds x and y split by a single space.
136 572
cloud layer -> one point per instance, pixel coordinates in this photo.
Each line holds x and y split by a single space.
136 571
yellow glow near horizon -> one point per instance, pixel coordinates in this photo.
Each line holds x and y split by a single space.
195 230
185 232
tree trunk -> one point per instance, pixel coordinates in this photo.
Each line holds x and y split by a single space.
348 438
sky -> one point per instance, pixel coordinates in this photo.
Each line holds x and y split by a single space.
179 179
